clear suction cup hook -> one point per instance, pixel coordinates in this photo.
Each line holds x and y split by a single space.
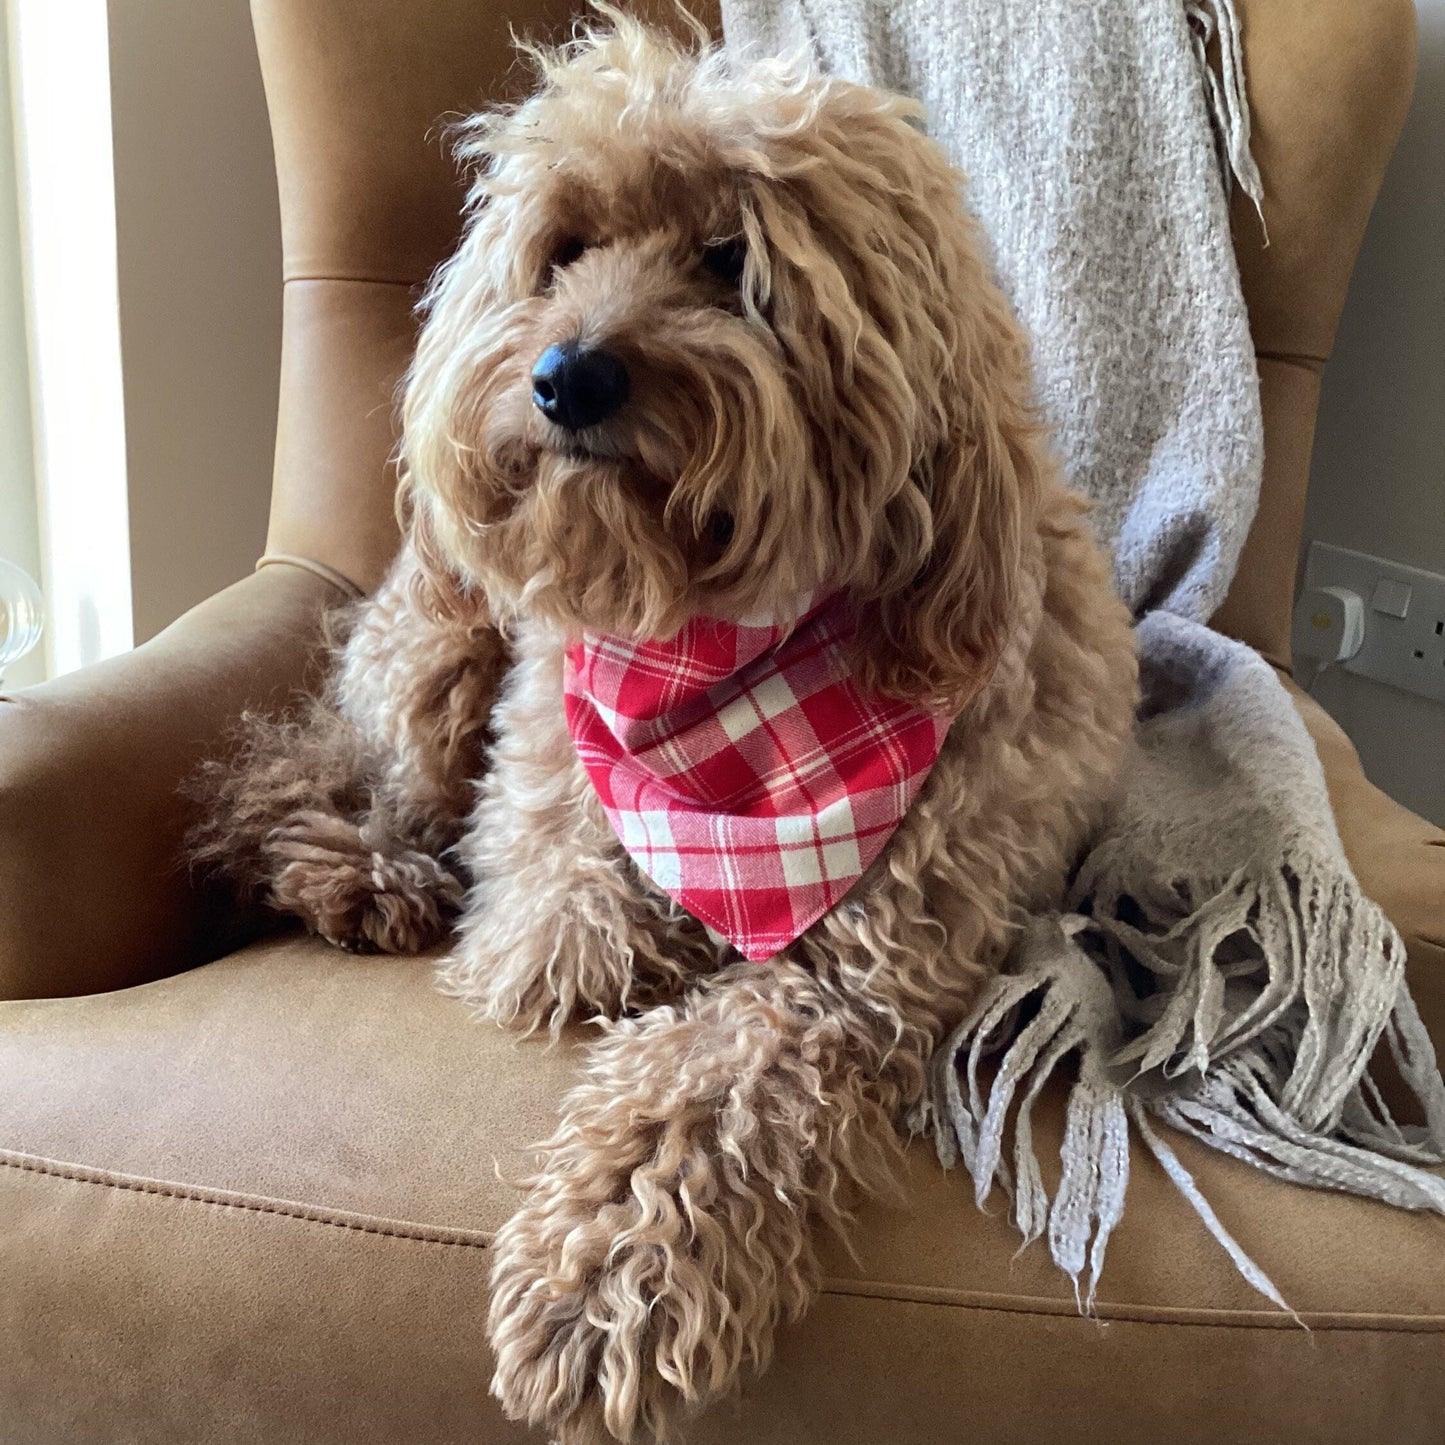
22 614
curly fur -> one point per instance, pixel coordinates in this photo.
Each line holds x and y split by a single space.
856 410
344 814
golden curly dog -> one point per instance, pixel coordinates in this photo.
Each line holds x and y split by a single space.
809 376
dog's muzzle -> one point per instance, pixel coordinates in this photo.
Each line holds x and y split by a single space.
577 386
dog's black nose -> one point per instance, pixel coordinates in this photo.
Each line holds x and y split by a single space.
578 386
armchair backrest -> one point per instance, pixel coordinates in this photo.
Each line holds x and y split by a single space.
370 205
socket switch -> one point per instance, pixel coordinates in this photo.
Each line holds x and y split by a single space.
1404 642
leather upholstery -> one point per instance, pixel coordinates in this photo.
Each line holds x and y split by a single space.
92 895
251 1201
292 1248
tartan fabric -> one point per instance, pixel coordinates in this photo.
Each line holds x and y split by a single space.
742 768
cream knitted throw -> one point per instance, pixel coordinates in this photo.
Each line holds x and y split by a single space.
1220 969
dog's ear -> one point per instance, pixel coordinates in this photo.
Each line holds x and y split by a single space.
891 304
973 497
437 588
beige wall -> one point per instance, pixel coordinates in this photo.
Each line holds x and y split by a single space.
18 538
1379 471
200 301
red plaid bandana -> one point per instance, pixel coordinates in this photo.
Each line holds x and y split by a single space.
744 770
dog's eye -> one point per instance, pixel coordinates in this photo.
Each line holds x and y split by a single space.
565 252
725 259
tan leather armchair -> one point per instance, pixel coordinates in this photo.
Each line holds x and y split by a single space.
251 1201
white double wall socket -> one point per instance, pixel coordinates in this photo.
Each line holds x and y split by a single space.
1403 642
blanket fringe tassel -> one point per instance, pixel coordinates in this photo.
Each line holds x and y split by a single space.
1221 1017
1226 95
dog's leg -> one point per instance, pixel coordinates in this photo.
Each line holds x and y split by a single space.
560 924
341 815
668 1233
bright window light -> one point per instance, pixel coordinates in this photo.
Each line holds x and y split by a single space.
60 62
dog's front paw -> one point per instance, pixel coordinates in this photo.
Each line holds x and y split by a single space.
573 1338
649 1267
527 958
359 897
602 1327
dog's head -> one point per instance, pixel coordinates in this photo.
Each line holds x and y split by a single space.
714 340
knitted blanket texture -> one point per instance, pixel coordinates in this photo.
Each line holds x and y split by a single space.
1218 968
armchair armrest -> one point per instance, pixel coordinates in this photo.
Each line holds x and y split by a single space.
1399 858
94 894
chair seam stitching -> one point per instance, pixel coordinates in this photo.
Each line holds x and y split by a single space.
841 1289
225 1199
1307 359
1326 1321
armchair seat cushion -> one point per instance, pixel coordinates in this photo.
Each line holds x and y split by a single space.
253 1202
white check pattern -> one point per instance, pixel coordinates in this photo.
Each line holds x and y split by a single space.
744 770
